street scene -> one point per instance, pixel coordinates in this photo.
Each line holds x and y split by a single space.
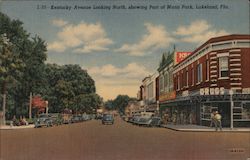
93 141
124 80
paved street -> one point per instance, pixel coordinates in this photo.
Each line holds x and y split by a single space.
122 141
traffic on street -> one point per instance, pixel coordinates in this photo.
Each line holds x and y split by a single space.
91 140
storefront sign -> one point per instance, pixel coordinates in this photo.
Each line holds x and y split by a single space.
167 96
212 91
180 56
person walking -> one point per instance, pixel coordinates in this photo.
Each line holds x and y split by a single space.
218 121
213 121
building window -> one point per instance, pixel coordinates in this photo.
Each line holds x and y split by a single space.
150 90
187 78
199 73
223 66
166 81
170 80
192 72
207 65
178 82
161 81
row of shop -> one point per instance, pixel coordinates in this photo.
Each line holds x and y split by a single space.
189 86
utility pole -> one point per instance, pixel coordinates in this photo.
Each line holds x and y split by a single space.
30 106
4 110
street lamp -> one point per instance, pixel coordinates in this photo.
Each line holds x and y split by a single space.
232 105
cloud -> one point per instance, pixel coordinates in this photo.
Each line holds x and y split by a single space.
198 32
112 80
81 38
59 22
156 38
196 27
132 70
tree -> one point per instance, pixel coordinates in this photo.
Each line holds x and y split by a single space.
10 64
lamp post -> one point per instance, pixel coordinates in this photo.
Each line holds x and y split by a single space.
232 105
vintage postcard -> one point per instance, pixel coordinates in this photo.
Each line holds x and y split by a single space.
124 80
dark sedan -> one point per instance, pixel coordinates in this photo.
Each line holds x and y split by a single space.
108 119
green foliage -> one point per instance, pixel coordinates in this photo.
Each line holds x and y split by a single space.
119 103
23 68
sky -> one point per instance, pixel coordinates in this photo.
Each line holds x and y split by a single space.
119 47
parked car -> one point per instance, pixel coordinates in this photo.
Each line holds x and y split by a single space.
86 117
77 118
56 118
155 122
43 120
144 121
108 119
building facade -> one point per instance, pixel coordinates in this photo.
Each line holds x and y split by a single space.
150 93
215 77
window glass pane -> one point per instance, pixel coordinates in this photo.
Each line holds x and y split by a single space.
223 64
246 110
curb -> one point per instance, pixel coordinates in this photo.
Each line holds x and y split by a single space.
16 127
205 130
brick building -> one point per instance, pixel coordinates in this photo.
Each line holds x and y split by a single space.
215 77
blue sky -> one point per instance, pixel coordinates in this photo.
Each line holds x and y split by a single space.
120 47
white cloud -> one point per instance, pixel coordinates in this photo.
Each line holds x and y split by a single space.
200 38
132 70
81 38
59 22
112 80
196 27
198 32
156 38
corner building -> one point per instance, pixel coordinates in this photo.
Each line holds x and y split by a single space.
216 76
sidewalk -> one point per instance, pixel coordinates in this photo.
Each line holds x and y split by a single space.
197 128
16 127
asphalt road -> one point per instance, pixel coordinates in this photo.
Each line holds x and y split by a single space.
122 141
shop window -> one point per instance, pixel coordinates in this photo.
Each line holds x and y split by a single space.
223 66
246 110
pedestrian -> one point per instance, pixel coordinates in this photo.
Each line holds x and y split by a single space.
181 117
212 117
217 121
191 118
174 118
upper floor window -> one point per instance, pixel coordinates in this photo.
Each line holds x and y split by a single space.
187 78
161 83
207 65
199 73
166 81
223 66
178 82
192 75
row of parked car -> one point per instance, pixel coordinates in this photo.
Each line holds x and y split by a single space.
53 119
145 121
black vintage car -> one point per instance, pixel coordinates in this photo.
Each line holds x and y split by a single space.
108 119
44 120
